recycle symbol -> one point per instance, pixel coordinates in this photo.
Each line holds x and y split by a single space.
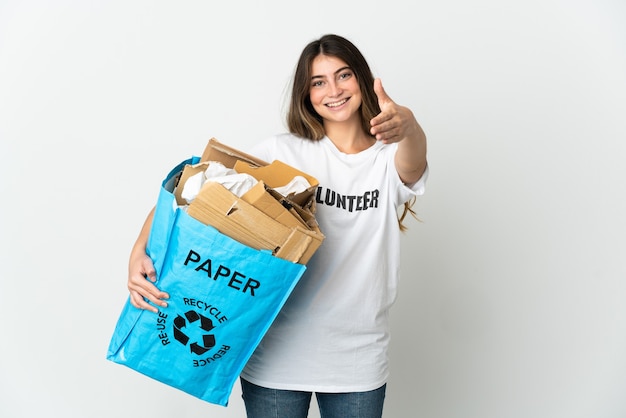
205 324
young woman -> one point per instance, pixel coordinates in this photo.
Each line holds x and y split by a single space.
369 155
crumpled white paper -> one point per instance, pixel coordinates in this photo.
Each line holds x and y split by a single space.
236 183
297 184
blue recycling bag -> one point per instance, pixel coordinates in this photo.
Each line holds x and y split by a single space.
223 297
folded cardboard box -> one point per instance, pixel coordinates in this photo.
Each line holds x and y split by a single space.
261 218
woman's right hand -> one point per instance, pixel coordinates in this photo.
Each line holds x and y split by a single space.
141 279
142 275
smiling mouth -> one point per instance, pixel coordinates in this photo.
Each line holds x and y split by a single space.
336 104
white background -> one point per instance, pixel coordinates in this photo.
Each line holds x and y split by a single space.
513 294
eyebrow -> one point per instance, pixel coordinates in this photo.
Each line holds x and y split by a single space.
347 67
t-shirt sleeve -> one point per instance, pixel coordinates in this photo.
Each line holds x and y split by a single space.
265 150
419 187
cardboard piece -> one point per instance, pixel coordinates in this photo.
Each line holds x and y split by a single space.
260 198
262 218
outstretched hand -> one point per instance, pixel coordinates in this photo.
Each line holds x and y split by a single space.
394 122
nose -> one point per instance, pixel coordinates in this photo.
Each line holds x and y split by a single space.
334 90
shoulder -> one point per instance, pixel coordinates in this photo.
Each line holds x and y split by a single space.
270 148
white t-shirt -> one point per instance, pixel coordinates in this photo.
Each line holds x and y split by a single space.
332 334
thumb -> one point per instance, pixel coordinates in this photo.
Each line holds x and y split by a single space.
381 93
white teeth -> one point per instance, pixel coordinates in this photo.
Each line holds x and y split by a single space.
336 103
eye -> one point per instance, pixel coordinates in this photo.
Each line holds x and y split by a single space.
317 83
345 75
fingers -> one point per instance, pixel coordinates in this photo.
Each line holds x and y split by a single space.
394 122
384 125
149 272
387 125
139 302
143 293
389 136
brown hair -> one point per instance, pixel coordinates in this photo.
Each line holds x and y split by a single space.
304 121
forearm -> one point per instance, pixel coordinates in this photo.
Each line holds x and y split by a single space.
410 158
139 248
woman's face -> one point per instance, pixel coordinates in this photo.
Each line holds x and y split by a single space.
334 90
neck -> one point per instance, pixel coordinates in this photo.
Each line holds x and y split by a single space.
349 139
